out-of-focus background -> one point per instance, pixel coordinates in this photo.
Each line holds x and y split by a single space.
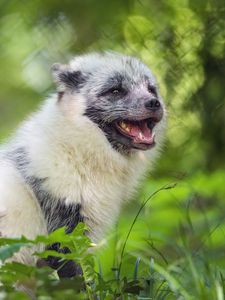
183 42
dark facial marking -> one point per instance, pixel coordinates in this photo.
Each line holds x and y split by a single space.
152 89
110 108
113 86
118 142
73 80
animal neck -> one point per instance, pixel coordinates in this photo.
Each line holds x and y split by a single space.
69 151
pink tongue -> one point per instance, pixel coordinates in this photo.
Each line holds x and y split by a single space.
141 133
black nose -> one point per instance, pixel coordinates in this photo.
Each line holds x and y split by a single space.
153 104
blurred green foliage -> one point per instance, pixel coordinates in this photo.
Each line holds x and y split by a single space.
183 42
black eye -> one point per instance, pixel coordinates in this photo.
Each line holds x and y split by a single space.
117 91
152 89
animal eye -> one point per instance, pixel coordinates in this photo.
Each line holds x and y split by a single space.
152 89
117 91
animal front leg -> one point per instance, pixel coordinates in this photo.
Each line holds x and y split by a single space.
65 268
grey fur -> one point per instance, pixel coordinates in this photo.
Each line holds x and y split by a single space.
51 149
116 87
57 214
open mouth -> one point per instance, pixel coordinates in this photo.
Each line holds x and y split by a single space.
140 132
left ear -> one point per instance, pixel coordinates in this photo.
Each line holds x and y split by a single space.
67 79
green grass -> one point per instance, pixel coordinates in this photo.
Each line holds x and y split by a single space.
159 250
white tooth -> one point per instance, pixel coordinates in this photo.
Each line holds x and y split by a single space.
127 128
140 135
123 125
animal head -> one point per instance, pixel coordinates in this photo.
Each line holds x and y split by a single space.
120 95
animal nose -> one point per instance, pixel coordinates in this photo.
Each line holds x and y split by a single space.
153 104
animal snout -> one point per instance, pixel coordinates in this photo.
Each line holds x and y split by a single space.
153 104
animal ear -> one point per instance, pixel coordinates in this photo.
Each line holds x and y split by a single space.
67 79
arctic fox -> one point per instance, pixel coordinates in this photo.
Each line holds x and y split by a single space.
84 152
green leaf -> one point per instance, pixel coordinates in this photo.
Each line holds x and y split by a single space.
7 251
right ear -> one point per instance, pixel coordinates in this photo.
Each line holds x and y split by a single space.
67 79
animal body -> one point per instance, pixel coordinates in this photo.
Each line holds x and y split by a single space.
83 153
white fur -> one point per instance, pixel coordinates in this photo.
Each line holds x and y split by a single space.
79 163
